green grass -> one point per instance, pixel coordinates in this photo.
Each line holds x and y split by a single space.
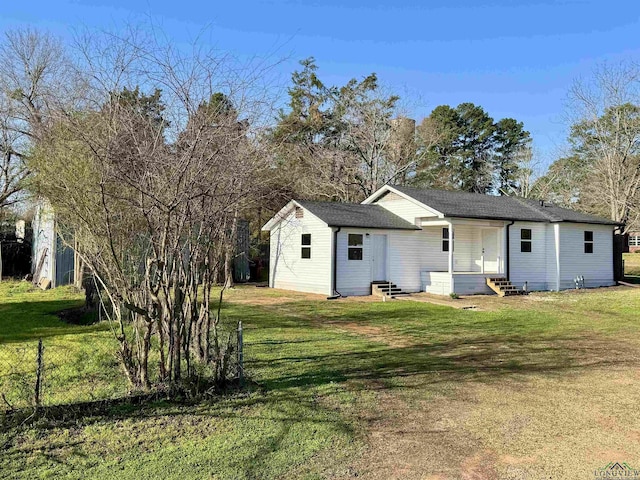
323 370
80 364
632 265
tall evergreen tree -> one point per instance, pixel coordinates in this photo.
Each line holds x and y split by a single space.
510 140
463 148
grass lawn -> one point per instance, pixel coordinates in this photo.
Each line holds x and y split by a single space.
544 386
632 264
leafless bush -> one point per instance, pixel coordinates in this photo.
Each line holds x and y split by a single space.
149 177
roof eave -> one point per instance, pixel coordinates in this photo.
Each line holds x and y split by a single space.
281 215
408 228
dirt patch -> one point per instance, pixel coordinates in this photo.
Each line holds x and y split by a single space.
544 426
268 296
490 303
480 466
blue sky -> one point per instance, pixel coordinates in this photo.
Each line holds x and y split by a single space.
515 58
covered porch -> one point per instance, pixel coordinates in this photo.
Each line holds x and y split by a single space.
474 251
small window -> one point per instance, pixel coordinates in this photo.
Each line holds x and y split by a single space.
306 245
445 239
355 246
299 212
588 242
525 240
634 240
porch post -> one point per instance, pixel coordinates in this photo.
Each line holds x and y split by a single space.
502 264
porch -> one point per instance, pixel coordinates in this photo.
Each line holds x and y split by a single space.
474 252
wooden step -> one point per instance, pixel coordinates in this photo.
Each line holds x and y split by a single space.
386 289
503 287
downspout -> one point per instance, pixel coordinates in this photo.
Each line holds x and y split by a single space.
508 255
334 278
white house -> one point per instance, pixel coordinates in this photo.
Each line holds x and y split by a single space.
437 241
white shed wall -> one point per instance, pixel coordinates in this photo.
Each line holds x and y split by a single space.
287 269
44 235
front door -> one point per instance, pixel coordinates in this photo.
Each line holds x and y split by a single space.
378 257
490 250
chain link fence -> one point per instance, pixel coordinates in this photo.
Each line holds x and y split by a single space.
53 372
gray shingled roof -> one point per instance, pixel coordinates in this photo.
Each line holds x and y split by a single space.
356 215
476 205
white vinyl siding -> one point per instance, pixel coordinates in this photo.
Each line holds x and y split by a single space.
596 267
404 248
403 208
287 270
430 254
530 267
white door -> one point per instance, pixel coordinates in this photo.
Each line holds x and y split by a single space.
490 250
378 257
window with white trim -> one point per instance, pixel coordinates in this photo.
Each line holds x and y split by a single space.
355 246
306 245
588 241
525 240
634 240
445 239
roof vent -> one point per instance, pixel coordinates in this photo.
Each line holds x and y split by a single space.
542 203
299 212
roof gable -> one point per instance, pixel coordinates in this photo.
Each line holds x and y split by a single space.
356 215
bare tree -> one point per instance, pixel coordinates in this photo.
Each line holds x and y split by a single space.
378 145
527 183
606 134
35 85
150 178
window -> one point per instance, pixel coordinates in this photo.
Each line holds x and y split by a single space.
306 245
588 242
445 239
525 240
355 246
634 240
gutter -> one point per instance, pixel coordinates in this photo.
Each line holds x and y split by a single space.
334 279
508 252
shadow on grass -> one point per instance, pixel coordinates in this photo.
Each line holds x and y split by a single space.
34 319
437 344
296 350
481 359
